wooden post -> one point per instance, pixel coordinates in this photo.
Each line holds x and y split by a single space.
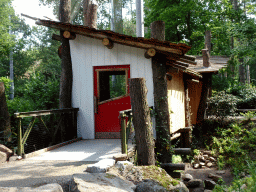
123 133
142 122
163 140
248 74
19 139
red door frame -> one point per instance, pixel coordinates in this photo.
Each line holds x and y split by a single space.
106 113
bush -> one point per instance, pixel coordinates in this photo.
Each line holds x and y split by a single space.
222 105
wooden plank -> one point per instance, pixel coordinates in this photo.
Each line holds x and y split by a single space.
187 61
44 112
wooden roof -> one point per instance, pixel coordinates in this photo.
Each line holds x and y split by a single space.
217 63
140 42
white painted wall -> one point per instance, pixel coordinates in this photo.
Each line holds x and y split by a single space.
86 53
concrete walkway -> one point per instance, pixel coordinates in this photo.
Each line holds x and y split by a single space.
84 150
58 165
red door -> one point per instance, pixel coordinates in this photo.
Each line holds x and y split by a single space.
111 95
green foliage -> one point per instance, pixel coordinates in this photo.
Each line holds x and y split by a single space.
7 85
117 85
222 104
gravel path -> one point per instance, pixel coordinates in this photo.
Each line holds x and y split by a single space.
28 173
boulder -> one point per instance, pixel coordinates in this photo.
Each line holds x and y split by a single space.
3 157
100 182
181 187
149 185
54 187
194 183
214 177
123 164
101 167
6 150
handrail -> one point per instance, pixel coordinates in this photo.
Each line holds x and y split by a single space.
45 112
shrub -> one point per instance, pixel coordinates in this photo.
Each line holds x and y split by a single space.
222 105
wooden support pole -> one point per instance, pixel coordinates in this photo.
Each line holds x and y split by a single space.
151 52
108 43
19 139
123 133
69 35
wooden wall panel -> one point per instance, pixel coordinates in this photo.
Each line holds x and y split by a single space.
176 101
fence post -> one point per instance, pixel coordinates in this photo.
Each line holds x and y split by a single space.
123 134
20 147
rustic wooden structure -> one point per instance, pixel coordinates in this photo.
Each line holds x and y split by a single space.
102 58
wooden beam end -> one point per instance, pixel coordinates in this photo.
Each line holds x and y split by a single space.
108 43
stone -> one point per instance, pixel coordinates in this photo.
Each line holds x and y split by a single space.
209 164
3 157
186 177
6 150
209 184
123 164
194 183
214 177
201 164
220 172
181 187
201 158
53 187
207 190
120 157
212 159
196 166
196 190
149 185
13 158
100 182
207 152
205 156
101 167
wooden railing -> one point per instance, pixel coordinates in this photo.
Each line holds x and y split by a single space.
38 115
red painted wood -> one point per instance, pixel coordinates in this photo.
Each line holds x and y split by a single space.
107 116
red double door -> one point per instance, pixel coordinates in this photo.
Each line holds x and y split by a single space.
111 95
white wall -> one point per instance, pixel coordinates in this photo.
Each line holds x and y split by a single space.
86 53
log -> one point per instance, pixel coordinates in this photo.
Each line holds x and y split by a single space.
158 30
182 151
69 35
92 15
172 166
151 52
108 43
142 122
56 37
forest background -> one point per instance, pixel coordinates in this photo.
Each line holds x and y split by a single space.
37 65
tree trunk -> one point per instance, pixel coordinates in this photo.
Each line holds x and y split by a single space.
163 141
142 122
90 14
5 126
242 75
66 70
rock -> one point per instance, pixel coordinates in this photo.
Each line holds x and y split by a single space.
196 166
3 157
186 177
212 159
54 187
207 152
215 178
209 184
149 185
207 190
209 164
205 156
197 190
6 150
194 183
100 182
120 157
201 164
13 158
220 172
181 187
201 158
101 167
123 164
